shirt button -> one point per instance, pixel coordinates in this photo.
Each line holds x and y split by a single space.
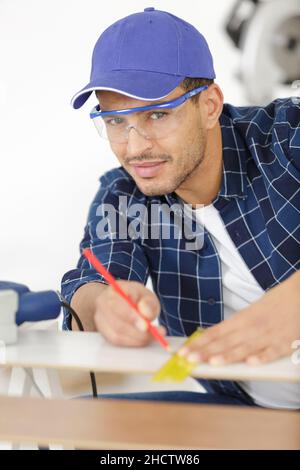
149 9
211 301
131 233
177 211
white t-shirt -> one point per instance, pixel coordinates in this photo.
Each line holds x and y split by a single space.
240 289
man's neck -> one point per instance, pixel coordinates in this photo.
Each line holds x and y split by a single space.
204 184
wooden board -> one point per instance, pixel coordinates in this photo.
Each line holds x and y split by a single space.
118 424
89 351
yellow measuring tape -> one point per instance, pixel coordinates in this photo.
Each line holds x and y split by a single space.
177 368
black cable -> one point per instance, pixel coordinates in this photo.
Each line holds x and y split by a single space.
65 304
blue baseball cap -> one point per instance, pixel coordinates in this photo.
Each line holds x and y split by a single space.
147 55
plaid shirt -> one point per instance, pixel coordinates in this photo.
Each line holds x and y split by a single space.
259 203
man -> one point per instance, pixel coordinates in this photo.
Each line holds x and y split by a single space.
178 144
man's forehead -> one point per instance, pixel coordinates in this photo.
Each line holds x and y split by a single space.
111 100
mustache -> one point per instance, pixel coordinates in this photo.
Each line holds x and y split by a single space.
148 158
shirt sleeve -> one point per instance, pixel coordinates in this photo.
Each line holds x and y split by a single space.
122 256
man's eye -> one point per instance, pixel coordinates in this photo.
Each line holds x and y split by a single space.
157 115
114 121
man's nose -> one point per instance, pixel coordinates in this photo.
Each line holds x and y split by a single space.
137 143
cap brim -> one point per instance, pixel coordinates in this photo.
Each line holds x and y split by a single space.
148 86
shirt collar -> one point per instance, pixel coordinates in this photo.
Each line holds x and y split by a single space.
234 179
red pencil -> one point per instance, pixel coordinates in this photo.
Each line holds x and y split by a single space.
112 281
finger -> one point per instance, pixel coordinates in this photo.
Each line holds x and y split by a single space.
130 339
251 353
122 333
115 323
222 344
146 300
116 309
248 320
217 348
266 355
238 354
213 334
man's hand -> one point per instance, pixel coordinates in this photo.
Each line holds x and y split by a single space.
118 322
260 333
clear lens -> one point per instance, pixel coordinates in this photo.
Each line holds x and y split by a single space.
152 124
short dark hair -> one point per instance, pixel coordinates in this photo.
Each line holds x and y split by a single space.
191 83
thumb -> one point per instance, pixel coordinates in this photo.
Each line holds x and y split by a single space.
148 308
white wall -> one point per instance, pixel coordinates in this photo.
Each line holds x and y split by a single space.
50 155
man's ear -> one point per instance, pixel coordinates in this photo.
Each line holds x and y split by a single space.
211 105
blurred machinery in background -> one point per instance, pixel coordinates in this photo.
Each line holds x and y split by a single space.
18 305
268 34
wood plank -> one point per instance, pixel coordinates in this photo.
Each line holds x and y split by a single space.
120 424
89 351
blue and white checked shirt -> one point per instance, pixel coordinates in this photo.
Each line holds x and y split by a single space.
259 203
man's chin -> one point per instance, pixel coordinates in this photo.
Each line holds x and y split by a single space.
152 188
